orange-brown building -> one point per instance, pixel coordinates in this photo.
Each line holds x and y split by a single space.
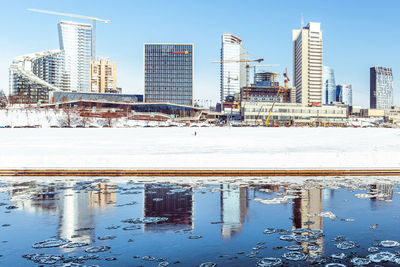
103 76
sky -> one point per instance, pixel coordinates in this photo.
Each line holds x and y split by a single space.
357 35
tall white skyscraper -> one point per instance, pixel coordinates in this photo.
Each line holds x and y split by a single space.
76 42
233 74
307 64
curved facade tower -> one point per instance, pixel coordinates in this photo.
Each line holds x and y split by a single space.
32 76
233 74
328 85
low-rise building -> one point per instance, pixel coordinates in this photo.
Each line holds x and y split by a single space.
372 113
292 114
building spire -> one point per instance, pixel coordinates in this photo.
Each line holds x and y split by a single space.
302 21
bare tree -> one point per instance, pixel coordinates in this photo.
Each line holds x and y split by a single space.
109 116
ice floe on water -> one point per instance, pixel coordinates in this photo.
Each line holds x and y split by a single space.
383 256
389 243
50 243
294 256
145 220
345 245
97 249
208 264
43 258
339 256
328 214
265 262
358 261
294 247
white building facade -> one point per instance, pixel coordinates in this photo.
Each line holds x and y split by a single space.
307 64
76 42
233 74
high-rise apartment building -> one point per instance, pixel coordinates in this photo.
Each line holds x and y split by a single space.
381 87
76 42
103 76
233 74
328 85
344 94
307 64
32 76
168 73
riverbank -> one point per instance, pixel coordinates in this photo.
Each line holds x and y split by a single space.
201 148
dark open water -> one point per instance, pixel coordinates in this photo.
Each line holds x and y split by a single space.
186 224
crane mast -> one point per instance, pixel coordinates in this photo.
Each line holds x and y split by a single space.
93 19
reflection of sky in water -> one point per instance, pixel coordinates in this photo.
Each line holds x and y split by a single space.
226 216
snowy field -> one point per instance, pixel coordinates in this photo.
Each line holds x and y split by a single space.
211 148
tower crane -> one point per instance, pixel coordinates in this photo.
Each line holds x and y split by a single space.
79 17
280 91
247 61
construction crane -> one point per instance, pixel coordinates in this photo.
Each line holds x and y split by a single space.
247 61
280 90
79 17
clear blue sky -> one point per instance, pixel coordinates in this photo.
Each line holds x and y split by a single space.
356 34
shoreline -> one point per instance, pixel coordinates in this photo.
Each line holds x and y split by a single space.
198 172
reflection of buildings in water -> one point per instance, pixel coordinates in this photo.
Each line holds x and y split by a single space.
382 191
234 208
33 198
328 193
75 208
176 205
102 197
308 202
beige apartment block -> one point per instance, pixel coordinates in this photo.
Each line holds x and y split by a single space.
103 76
307 64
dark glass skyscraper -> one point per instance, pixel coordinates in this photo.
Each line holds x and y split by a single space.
381 87
168 73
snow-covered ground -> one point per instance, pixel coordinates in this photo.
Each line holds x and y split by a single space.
211 148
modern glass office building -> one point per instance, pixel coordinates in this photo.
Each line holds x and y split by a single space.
168 73
76 42
233 74
328 85
381 87
344 94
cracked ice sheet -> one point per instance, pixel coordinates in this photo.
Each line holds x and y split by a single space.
211 148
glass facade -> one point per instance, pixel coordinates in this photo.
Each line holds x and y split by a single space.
168 73
233 74
328 85
32 76
381 88
344 94
76 42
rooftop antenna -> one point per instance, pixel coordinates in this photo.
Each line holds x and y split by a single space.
302 21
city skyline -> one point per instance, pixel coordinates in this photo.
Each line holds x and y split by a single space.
348 47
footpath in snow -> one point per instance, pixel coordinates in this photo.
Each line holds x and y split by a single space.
210 148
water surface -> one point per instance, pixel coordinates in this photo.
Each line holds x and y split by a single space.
187 222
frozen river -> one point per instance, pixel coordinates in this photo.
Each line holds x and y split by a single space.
209 148
230 222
